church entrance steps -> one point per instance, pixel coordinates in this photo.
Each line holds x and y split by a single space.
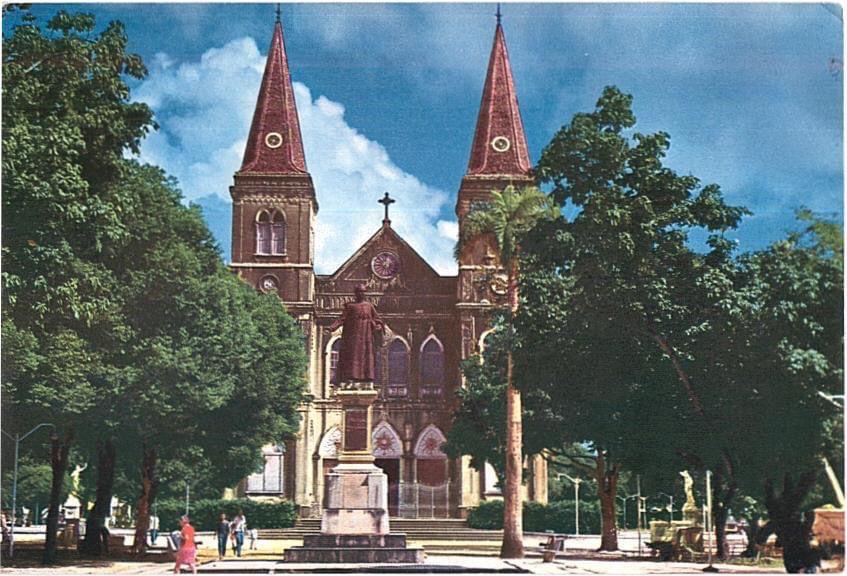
445 530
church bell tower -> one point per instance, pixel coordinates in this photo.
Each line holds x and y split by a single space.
499 158
273 198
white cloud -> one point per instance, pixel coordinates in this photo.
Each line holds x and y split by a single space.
204 111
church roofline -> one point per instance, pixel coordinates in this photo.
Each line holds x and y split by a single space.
384 229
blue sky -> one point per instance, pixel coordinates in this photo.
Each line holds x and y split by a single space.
388 96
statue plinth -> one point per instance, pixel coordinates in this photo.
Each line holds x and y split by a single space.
354 525
357 490
692 514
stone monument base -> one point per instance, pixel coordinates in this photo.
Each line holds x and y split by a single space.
357 500
355 549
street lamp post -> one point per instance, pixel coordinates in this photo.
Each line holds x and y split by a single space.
576 483
670 508
623 506
18 439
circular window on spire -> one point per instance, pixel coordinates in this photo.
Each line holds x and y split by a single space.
500 144
273 140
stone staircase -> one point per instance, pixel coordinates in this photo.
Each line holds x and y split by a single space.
438 536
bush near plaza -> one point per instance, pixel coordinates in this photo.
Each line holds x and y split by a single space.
556 516
206 513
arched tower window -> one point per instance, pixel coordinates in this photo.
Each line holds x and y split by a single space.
263 233
432 368
278 233
270 232
398 368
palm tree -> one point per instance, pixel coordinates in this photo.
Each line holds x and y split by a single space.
509 215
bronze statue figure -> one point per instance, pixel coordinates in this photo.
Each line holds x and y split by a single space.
356 357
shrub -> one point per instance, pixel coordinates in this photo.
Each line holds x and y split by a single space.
205 513
556 516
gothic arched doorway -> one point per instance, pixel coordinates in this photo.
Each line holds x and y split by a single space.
387 450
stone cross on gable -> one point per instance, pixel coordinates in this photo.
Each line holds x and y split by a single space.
386 201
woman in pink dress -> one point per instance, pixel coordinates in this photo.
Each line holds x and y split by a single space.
187 553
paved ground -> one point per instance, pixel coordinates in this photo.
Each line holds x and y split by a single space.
579 558
439 564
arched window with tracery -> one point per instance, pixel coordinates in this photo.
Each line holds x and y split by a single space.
270 232
432 369
398 368
263 233
278 233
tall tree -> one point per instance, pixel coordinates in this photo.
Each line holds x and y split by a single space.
131 332
508 215
620 267
67 120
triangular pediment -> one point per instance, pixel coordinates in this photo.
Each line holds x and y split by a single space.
385 262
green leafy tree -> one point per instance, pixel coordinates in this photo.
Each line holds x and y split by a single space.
506 217
122 324
730 348
66 121
614 279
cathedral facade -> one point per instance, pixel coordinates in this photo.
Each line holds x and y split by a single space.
433 322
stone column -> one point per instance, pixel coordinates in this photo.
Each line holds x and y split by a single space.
357 490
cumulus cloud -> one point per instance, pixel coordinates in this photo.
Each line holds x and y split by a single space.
204 109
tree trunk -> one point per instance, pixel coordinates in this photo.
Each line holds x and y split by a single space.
59 451
607 489
722 494
752 531
793 533
149 485
96 541
512 546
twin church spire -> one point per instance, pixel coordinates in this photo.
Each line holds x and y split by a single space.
275 143
499 144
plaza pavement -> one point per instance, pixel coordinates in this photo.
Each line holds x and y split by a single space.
578 558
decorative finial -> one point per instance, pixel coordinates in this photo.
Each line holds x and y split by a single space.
277 12
498 14
386 201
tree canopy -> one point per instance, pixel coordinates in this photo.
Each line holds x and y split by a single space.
120 322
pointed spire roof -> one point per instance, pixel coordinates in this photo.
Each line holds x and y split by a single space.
275 144
499 144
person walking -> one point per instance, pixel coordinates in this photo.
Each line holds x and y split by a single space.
187 553
223 531
154 529
239 524
254 537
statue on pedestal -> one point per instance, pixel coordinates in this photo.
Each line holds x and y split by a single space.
359 320
354 525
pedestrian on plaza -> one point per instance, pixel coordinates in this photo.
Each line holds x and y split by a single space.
187 553
154 529
223 532
7 540
237 528
254 537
